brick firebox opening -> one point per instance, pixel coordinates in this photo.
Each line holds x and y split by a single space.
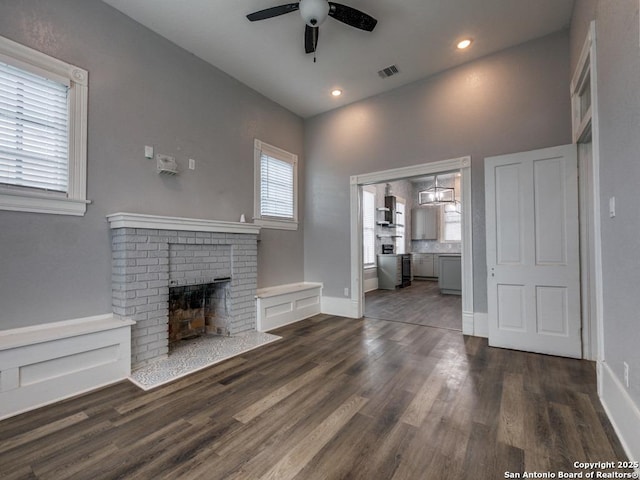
196 310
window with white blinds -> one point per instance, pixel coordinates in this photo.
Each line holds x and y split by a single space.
43 132
34 136
276 187
368 228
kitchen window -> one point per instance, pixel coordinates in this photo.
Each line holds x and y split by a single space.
368 228
43 132
276 187
451 224
400 225
451 217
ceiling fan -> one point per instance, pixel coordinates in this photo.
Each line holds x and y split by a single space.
314 12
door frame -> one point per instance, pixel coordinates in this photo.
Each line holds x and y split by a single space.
462 164
584 128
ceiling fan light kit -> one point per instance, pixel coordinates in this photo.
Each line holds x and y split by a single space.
314 13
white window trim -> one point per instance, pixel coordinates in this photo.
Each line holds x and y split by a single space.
442 215
401 239
275 152
371 190
75 201
443 222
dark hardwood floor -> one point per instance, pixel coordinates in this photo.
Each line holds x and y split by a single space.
421 303
336 398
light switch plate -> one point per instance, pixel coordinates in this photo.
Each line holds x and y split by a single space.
192 164
148 151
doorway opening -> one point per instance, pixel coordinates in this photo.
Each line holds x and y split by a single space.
412 251
358 185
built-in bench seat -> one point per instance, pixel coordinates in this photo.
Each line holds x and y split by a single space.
42 364
281 305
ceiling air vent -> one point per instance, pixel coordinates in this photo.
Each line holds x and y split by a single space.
389 71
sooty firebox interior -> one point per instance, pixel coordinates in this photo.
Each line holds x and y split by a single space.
196 310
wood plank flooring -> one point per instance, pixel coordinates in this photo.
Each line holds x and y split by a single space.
421 303
337 398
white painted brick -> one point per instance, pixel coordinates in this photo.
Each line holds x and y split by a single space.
147 262
158 329
139 317
158 298
146 277
146 246
146 308
149 292
146 231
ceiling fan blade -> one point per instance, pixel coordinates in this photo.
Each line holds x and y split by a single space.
310 38
273 11
352 17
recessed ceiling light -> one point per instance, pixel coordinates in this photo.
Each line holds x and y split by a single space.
464 43
336 92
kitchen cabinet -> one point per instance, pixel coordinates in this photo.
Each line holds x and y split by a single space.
424 223
450 279
425 265
389 271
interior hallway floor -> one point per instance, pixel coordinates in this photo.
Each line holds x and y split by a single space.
421 303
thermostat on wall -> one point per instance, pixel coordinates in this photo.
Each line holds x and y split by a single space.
166 164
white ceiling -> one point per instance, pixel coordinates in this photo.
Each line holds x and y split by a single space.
419 36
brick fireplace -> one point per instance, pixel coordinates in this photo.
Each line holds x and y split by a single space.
150 254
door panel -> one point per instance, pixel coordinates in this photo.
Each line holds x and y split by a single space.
509 214
551 311
532 251
511 314
550 211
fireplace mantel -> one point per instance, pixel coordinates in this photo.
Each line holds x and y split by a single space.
138 220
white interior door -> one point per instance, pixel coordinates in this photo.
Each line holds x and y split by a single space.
533 284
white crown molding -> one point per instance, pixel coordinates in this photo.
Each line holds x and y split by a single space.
138 220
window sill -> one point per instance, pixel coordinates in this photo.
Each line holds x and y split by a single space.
370 267
42 203
276 224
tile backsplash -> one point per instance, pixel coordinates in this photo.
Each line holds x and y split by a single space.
434 246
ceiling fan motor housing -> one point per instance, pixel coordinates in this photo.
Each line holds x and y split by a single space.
314 12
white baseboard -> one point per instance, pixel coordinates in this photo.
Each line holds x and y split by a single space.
481 325
343 307
47 363
468 323
284 304
370 284
623 413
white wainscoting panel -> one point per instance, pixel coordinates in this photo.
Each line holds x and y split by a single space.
46 363
284 304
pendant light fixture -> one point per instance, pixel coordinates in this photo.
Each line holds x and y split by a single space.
436 195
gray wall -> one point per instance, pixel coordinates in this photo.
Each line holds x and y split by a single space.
512 101
618 62
143 90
